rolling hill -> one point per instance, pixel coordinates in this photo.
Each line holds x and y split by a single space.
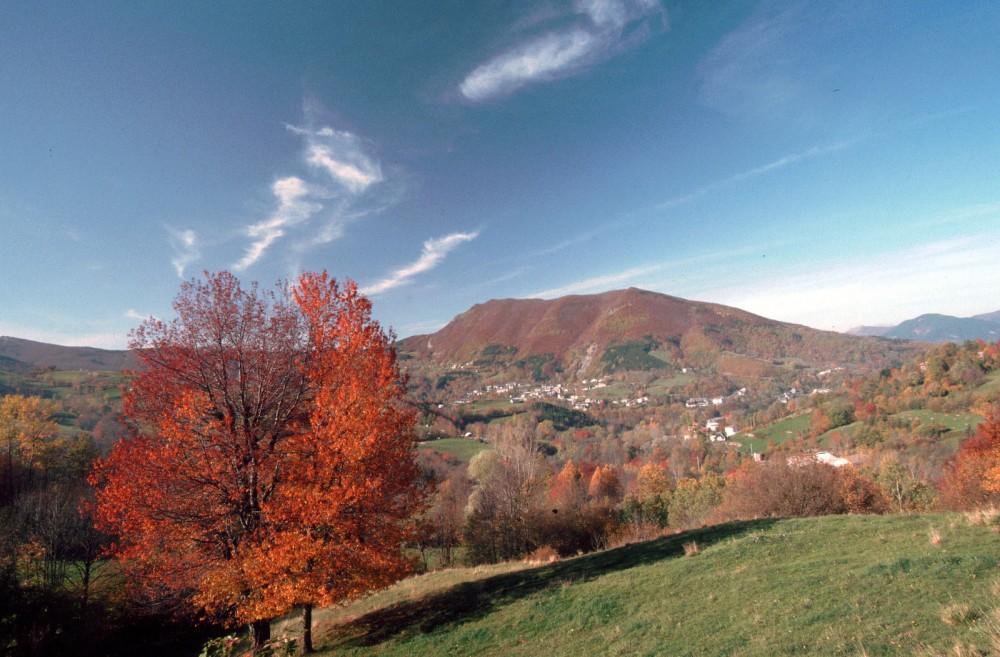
838 585
17 354
586 333
935 327
945 328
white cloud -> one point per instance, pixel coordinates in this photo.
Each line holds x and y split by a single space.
434 252
314 208
186 250
541 59
132 313
294 208
561 52
342 156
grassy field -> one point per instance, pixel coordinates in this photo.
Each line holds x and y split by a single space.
920 585
462 449
666 385
485 406
778 432
991 384
954 421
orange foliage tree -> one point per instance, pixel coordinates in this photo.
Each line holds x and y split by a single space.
972 476
269 460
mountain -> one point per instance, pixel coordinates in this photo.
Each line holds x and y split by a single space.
946 328
934 327
17 354
873 331
633 329
989 317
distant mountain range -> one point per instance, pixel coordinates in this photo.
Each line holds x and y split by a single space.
599 333
934 327
18 355
632 329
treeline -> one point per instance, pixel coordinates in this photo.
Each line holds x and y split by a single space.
512 502
58 594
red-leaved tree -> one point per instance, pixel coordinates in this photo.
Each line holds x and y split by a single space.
269 460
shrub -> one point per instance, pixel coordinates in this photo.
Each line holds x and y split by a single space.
544 554
779 489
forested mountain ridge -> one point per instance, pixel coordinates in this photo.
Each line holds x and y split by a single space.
583 334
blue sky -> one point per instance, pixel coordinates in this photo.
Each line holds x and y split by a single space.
830 164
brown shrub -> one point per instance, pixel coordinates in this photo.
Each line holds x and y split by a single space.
778 489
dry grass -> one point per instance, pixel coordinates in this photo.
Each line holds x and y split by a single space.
636 533
987 516
542 555
691 548
959 614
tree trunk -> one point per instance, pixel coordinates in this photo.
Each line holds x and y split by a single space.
260 635
307 629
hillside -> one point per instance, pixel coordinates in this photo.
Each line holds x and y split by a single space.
839 585
934 327
17 354
585 334
945 328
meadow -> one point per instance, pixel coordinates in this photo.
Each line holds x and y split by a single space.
839 585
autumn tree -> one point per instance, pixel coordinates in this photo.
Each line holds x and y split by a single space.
605 485
568 490
649 502
26 427
505 489
268 460
972 475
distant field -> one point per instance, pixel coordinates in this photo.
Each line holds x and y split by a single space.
666 385
778 432
662 354
992 383
840 586
462 449
485 406
611 391
954 421
846 431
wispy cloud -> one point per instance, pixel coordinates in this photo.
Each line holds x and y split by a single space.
334 189
780 163
752 72
294 207
132 313
184 244
434 252
341 155
597 30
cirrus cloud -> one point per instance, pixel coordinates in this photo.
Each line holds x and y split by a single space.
313 208
597 30
434 252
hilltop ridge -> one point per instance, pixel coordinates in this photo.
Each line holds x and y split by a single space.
578 330
17 354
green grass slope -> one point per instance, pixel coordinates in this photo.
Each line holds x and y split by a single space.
851 585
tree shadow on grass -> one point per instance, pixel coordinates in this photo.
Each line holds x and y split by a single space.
473 600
